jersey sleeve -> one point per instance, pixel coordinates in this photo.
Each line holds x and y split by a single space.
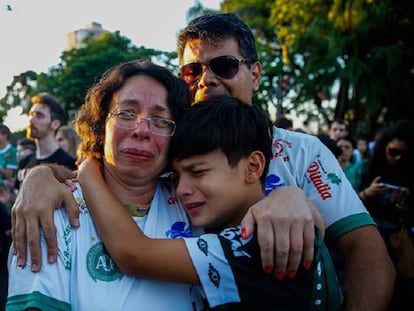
232 276
213 269
329 189
302 160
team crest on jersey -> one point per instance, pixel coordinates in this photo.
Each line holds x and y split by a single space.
100 265
279 146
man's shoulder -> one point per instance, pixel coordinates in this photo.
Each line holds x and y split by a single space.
287 143
61 157
279 133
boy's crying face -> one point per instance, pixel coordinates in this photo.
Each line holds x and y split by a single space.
211 190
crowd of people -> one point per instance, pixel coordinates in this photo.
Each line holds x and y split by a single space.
158 179
382 178
379 171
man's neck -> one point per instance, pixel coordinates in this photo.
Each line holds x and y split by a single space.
46 147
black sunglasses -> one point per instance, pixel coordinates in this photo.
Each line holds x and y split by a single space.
223 67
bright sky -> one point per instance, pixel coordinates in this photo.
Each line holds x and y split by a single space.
33 33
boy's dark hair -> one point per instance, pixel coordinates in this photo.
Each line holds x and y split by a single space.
216 28
56 109
224 123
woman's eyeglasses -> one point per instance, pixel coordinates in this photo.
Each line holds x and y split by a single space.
223 67
128 120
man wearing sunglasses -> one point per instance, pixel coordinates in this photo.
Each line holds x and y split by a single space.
218 56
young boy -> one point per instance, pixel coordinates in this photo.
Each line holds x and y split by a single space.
220 154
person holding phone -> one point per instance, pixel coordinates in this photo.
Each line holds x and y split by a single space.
387 188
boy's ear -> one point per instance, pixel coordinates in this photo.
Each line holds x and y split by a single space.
255 164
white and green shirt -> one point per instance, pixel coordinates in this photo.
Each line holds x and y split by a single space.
86 278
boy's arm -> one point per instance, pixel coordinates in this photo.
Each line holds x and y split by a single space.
133 252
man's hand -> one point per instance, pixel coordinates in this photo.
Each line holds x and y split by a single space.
285 230
39 195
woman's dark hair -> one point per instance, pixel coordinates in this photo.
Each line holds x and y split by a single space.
402 130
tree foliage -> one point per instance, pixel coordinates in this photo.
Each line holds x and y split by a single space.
18 92
324 59
355 54
77 71
80 68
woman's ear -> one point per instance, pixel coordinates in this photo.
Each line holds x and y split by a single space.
255 164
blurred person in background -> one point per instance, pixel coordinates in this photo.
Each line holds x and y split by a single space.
8 167
45 117
25 147
387 189
26 156
338 128
68 140
353 169
8 157
361 151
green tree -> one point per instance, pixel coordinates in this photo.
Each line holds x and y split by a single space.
197 10
360 51
78 70
18 93
256 14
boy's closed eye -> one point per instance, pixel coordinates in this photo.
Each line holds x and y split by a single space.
198 172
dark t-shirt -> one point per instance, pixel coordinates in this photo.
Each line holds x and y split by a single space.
58 157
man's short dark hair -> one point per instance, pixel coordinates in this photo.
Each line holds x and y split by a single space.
215 29
56 109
